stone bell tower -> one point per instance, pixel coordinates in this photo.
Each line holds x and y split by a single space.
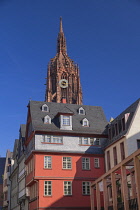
63 80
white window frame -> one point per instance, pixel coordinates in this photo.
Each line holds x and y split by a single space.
90 141
52 139
47 188
66 120
81 109
85 122
45 106
47 162
47 119
67 188
85 163
96 162
66 162
85 188
57 139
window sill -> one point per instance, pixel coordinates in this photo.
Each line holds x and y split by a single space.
70 169
51 143
68 195
47 168
86 169
47 196
86 194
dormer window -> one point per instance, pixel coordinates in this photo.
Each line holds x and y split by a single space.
81 111
45 108
66 120
85 122
47 120
123 124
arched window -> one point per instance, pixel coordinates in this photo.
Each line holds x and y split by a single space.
81 111
85 122
47 120
45 108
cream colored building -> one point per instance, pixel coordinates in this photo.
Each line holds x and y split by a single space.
123 135
6 182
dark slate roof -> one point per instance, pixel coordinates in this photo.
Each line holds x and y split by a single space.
15 151
131 110
94 115
23 129
91 150
2 166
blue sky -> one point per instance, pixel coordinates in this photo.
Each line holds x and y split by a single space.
103 37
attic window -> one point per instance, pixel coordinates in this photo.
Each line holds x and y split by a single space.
47 120
81 111
85 122
66 120
45 108
123 123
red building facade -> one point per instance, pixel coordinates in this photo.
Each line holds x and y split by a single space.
63 140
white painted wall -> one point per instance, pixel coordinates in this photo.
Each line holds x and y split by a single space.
70 143
133 133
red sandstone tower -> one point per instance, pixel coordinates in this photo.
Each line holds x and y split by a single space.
63 81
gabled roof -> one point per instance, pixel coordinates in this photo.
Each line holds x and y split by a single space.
131 112
2 166
94 114
15 151
22 130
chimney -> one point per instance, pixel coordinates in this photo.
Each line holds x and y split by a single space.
64 101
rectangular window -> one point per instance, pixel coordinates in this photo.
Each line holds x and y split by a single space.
52 139
85 140
122 151
86 188
138 144
96 163
66 120
123 124
57 139
91 141
47 162
47 138
116 129
67 163
108 160
115 155
109 133
67 188
47 188
86 163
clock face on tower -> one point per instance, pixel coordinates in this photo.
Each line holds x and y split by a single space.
63 83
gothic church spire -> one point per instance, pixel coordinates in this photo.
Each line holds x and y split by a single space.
61 40
63 80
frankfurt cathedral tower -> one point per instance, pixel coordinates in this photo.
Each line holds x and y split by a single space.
63 80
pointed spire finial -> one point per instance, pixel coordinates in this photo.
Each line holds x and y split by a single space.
61 27
61 41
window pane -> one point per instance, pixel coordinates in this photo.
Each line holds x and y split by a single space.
85 140
47 188
47 138
66 162
66 120
47 162
86 188
67 188
85 163
96 163
57 139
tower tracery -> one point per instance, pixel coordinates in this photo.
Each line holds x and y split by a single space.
63 81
